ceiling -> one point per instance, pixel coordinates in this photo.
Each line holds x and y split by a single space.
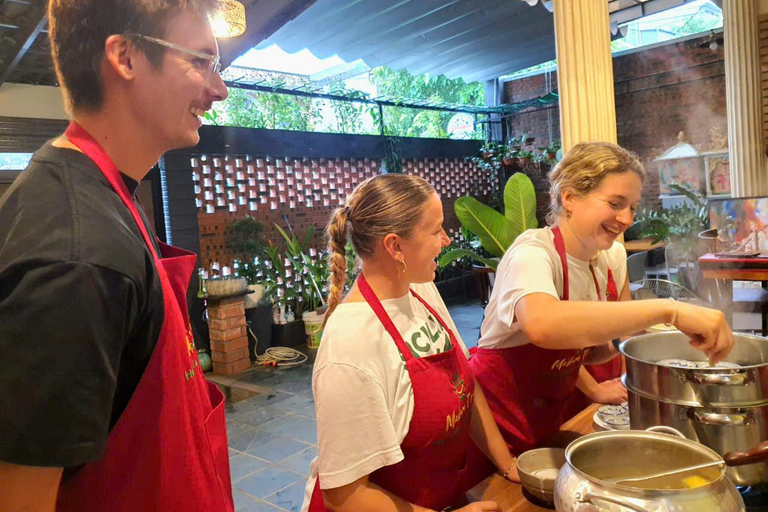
472 39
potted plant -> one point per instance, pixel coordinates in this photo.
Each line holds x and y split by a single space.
551 152
491 158
244 242
524 157
295 281
679 227
495 232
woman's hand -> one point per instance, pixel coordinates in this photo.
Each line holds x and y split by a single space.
609 392
480 506
707 328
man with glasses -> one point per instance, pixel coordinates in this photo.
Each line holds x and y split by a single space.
104 406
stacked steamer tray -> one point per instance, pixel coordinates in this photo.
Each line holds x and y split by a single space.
724 407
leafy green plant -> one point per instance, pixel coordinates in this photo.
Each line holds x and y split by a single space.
675 224
281 266
551 150
408 122
271 110
495 231
349 115
680 227
244 241
393 160
213 117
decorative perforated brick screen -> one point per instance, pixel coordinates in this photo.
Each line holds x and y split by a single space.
305 190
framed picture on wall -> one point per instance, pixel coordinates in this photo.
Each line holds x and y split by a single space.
717 174
740 221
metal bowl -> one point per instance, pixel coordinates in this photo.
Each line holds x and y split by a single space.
538 471
225 286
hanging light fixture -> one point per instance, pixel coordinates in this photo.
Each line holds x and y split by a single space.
229 20
713 42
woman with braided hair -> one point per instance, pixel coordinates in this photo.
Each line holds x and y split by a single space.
397 404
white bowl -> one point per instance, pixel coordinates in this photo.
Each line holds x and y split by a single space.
538 471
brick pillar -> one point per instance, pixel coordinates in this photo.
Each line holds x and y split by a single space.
229 335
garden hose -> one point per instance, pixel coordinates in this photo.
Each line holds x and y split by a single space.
278 356
281 356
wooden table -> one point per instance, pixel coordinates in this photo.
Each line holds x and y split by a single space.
734 269
509 495
646 244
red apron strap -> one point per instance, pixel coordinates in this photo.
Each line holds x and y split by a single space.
611 290
437 316
373 301
93 150
560 248
597 286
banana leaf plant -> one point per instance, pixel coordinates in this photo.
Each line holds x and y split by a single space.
495 231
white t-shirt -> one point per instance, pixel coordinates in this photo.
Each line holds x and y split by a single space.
363 392
532 265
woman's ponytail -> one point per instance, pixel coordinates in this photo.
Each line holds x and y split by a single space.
337 245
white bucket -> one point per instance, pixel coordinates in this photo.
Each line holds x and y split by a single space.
313 328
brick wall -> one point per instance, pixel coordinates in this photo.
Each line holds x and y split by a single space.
659 92
305 190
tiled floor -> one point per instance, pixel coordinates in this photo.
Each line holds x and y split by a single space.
273 434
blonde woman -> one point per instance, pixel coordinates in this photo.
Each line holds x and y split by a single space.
397 405
553 306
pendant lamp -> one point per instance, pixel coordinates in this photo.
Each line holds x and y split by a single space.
229 20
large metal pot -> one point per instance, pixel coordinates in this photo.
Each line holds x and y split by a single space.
724 429
724 409
581 485
712 387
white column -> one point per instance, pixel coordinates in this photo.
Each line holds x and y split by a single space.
584 71
743 97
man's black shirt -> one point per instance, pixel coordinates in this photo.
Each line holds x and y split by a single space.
81 308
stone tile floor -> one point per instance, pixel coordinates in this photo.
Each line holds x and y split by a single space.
272 430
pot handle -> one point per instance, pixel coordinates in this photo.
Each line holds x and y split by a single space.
665 430
721 420
589 498
735 378
755 454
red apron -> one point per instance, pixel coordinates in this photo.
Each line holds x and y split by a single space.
168 450
433 471
528 387
601 372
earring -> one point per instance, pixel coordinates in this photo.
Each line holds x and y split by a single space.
568 214
401 266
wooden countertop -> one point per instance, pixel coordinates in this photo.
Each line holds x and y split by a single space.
645 244
509 495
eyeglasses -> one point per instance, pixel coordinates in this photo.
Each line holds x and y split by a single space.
208 64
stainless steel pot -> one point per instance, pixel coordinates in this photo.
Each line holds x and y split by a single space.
581 485
712 387
723 429
724 409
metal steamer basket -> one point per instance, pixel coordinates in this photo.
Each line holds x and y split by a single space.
725 409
